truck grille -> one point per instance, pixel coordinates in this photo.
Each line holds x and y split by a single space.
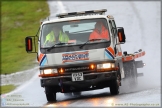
78 69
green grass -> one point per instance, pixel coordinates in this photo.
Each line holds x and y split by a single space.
7 88
18 20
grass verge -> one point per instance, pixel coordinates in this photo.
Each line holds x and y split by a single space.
18 20
7 88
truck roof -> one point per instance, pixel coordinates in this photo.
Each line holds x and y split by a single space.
76 18
79 16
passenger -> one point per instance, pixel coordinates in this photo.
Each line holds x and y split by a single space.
100 32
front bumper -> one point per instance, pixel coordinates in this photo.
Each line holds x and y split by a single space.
89 79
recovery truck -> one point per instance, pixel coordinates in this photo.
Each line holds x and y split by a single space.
82 64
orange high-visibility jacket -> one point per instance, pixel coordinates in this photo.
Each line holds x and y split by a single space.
103 35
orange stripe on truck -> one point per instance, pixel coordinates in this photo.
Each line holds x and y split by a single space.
111 51
40 56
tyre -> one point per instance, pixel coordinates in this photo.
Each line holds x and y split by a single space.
114 87
50 95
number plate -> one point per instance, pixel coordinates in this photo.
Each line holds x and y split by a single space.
77 76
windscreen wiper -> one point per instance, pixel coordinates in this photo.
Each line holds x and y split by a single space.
91 40
60 43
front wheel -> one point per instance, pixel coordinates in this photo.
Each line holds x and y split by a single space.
114 87
50 95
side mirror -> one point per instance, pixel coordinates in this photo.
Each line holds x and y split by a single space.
121 35
28 44
29 41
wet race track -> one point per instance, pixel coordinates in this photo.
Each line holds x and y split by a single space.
31 94
140 30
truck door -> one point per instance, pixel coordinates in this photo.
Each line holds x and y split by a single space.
117 47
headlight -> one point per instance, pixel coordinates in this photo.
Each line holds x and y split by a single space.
105 65
50 71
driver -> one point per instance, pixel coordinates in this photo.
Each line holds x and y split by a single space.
100 32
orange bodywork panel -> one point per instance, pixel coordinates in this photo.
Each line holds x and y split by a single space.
130 57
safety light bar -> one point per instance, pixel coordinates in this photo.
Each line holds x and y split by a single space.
92 12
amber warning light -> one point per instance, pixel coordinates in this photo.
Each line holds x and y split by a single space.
61 70
92 66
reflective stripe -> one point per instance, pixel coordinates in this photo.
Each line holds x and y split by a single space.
62 37
111 51
42 59
50 37
41 56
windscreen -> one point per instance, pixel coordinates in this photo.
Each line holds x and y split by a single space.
74 32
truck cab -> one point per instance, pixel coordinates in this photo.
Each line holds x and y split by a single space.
77 59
